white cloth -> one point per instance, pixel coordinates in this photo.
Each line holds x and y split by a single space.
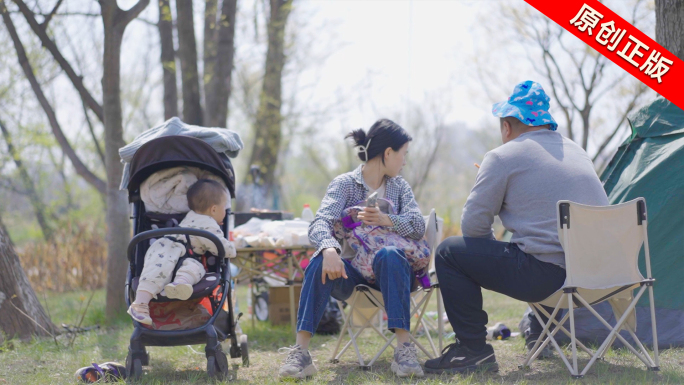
162 256
222 140
165 191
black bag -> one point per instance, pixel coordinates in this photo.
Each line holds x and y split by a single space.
332 320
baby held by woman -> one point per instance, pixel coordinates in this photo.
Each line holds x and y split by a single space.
207 200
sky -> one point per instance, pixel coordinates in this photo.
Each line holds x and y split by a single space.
380 57
407 48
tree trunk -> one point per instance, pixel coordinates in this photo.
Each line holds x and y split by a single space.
118 225
16 290
37 203
218 68
268 121
210 40
168 59
187 51
226 54
670 25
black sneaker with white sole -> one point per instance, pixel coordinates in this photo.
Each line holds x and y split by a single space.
458 358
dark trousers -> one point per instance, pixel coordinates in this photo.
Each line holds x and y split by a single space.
466 265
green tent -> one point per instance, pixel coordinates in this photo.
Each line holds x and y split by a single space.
650 164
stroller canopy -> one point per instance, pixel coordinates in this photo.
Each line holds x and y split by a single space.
173 151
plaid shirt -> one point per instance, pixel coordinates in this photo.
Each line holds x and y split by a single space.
348 190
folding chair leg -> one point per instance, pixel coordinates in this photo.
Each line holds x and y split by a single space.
603 354
546 341
344 327
421 347
440 321
565 331
573 342
643 349
528 359
423 307
653 329
550 338
356 346
614 331
382 350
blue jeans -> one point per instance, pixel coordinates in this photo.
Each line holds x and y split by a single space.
392 277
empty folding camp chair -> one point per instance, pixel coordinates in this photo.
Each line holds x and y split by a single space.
602 247
366 304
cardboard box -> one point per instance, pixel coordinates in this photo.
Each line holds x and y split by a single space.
279 304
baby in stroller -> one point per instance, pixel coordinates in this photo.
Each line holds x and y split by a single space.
207 201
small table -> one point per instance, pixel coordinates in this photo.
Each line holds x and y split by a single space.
277 263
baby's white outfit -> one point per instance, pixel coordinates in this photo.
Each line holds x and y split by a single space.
163 254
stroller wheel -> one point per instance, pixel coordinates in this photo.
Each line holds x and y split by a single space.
133 367
217 366
261 306
244 351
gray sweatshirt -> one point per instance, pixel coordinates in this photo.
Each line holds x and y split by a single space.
521 182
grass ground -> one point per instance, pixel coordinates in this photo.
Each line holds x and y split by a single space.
43 362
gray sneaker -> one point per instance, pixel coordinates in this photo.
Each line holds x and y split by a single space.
298 363
405 363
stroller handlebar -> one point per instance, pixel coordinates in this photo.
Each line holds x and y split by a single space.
158 233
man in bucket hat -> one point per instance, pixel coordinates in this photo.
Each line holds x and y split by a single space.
520 181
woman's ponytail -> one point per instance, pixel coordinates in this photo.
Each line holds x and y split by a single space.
383 134
359 137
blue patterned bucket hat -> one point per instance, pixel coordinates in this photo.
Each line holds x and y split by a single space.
529 103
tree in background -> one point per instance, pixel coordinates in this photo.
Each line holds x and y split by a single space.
217 61
168 59
115 21
670 25
267 127
187 53
37 203
581 81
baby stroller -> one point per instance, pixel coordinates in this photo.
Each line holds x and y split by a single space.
156 155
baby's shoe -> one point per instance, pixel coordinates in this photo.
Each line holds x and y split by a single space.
140 312
180 291
109 371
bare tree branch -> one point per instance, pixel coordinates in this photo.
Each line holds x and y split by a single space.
76 80
133 12
92 134
148 22
419 184
38 205
632 103
80 167
52 13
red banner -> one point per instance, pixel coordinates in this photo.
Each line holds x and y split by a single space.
621 42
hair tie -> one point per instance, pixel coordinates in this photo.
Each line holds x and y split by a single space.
365 148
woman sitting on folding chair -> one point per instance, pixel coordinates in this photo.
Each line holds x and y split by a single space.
330 272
